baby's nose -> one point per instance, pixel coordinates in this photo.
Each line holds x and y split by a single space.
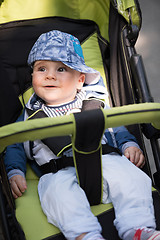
51 75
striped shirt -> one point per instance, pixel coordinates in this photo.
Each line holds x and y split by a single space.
63 109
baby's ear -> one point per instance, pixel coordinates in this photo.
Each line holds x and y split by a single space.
81 81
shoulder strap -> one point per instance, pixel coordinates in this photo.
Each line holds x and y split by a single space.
92 103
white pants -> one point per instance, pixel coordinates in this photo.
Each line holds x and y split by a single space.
66 206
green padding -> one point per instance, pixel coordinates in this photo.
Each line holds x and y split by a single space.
30 175
92 54
30 215
97 10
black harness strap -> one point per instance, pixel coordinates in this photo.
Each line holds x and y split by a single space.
55 165
87 153
106 149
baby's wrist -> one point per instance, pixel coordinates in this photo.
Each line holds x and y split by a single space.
15 172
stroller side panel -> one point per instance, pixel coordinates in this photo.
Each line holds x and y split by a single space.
97 11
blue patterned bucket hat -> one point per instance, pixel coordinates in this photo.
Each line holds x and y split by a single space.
59 46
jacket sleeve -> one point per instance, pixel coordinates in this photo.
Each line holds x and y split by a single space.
120 137
15 158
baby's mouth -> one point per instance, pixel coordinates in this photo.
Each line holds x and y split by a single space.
50 86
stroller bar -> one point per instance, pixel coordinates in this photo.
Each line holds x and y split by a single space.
60 126
132 114
140 78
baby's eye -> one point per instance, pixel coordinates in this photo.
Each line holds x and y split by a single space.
61 69
42 69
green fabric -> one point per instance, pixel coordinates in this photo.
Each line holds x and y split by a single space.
98 11
124 5
30 216
92 54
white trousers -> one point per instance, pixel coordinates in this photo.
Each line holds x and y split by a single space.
126 186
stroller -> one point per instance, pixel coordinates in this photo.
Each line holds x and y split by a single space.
108 31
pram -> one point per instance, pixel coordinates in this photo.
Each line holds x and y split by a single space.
108 32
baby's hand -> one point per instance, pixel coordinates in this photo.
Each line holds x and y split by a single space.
18 185
135 155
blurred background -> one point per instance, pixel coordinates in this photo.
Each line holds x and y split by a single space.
148 45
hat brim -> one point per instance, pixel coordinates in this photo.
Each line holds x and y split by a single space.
92 75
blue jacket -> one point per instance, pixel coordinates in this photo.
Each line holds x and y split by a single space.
16 159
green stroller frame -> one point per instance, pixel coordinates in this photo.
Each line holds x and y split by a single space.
113 30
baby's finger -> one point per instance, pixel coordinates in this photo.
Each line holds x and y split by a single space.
136 157
14 195
141 161
131 156
21 183
15 190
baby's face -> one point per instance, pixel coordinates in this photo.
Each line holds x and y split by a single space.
56 83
